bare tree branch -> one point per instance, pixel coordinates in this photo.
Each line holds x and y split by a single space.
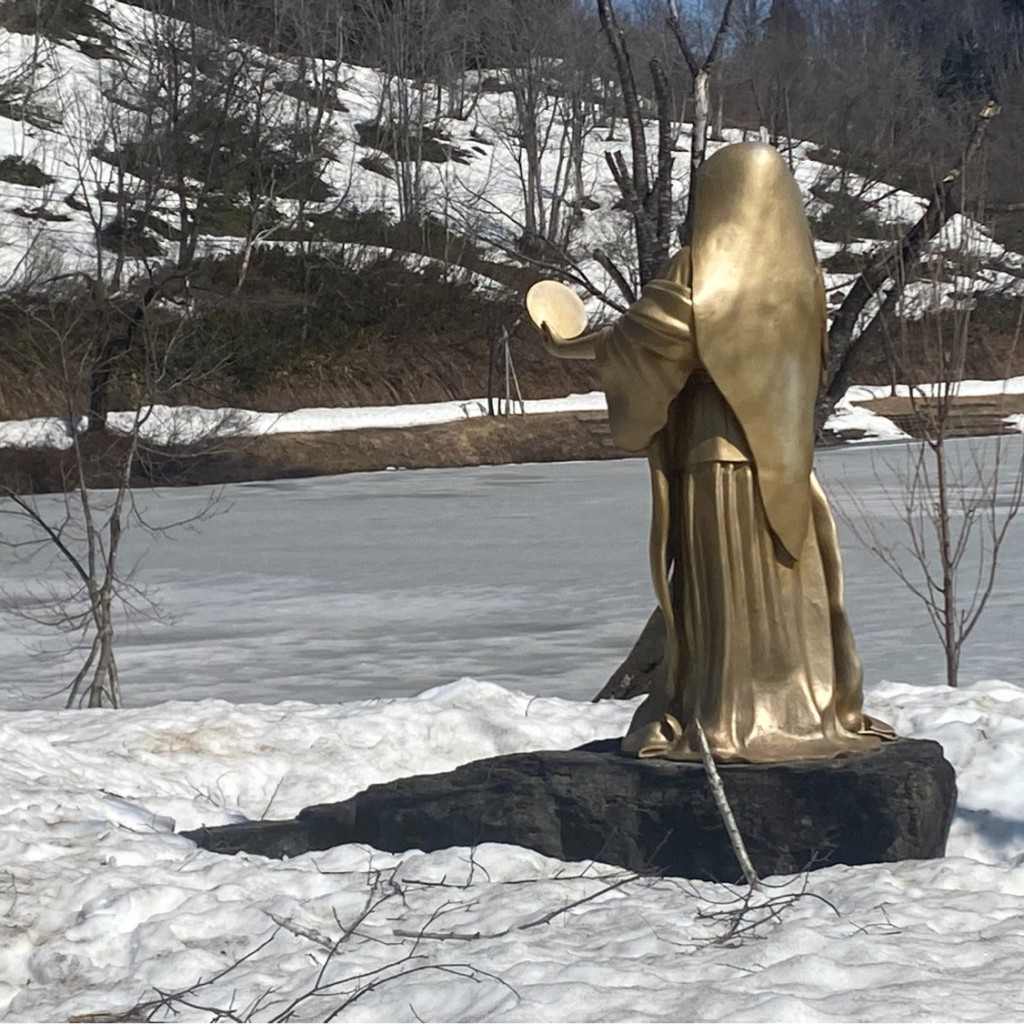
895 265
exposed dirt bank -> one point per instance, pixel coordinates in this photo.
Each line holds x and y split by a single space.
555 437
973 416
495 440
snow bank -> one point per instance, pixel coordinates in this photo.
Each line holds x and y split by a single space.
187 424
861 423
962 389
103 903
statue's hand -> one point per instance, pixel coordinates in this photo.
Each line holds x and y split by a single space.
553 341
567 348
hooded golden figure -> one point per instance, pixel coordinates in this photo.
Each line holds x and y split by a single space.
713 373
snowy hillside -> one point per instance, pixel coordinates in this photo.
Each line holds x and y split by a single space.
69 109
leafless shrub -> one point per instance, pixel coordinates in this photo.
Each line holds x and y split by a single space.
954 503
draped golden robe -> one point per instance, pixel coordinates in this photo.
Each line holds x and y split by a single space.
758 647
713 373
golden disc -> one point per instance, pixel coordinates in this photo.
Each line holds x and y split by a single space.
551 302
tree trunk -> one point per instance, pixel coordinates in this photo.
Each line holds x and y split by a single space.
701 121
843 343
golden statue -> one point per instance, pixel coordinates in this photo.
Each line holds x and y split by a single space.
713 372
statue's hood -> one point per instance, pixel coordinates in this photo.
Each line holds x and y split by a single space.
759 319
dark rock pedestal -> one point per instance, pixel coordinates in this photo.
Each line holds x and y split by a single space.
648 816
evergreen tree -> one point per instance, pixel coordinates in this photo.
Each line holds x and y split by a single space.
785 25
966 71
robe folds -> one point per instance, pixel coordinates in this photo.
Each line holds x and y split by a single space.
748 578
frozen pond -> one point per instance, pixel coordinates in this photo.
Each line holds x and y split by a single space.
384 584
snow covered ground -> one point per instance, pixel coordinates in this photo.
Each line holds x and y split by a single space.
163 424
104 906
186 424
306 596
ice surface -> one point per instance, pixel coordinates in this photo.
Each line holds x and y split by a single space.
382 584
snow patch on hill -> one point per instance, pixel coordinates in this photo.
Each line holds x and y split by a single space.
481 194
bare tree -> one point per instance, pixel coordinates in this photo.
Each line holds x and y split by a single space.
84 527
85 532
647 196
283 132
407 37
701 71
890 271
97 128
192 84
102 129
28 70
546 112
954 502
647 191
